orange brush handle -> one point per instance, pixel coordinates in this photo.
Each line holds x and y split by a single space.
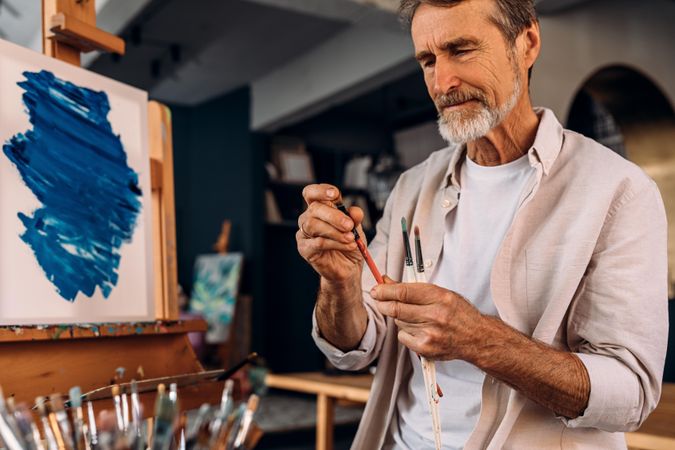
369 260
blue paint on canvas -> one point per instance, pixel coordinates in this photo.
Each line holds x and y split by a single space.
77 168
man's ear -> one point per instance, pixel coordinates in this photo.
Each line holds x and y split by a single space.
529 44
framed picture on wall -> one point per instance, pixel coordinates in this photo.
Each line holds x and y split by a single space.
293 161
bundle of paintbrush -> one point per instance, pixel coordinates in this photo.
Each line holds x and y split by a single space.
58 427
433 391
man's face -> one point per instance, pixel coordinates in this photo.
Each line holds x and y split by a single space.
471 72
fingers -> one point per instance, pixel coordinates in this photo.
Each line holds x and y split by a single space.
412 293
410 341
402 311
356 214
308 247
312 227
328 214
388 280
320 193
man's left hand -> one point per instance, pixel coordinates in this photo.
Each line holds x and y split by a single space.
434 322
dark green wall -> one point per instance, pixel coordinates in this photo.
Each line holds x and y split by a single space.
218 166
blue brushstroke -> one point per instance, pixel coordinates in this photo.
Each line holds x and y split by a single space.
77 168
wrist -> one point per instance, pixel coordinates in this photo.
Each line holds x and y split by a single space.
484 342
340 285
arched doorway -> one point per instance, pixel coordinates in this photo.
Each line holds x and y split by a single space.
623 109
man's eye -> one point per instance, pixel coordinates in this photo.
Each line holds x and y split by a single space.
462 52
428 63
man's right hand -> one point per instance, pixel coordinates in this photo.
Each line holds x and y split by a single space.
325 239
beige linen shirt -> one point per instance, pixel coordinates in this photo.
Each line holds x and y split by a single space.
583 268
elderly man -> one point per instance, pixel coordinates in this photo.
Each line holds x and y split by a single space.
546 307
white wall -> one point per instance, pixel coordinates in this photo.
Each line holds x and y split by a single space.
579 42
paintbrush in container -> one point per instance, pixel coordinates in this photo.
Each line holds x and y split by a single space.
41 403
58 417
118 407
75 396
29 430
251 407
165 414
125 411
9 431
236 419
93 433
226 405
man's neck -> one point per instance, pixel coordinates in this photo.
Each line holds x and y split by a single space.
509 140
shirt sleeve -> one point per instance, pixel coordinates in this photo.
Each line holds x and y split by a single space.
353 360
372 341
619 319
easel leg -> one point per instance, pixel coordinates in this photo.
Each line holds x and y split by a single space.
325 415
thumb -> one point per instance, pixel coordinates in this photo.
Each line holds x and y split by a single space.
388 280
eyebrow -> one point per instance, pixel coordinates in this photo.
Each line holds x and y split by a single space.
450 46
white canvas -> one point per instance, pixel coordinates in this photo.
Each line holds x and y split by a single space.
27 296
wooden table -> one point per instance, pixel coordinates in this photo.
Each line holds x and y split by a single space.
328 389
657 433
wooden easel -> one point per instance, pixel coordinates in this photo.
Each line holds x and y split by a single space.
45 360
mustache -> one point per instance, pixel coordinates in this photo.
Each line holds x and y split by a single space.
456 97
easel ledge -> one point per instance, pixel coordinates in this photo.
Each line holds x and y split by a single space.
21 333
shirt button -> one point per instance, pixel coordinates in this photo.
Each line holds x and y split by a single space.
428 263
445 203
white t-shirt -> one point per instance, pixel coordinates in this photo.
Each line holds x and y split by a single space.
475 230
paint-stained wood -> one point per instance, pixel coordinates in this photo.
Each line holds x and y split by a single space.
82 331
43 367
163 211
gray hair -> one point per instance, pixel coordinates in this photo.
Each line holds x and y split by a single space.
513 17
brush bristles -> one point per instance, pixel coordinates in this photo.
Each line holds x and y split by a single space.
417 232
404 225
253 402
75 395
115 390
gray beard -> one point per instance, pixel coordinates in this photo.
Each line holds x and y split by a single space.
460 127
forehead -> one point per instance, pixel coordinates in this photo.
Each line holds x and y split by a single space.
433 25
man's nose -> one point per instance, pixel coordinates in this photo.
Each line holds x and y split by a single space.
445 78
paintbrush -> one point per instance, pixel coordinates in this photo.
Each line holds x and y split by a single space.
195 426
250 359
233 431
362 247
226 404
9 431
136 424
41 403
251 407
125 411
58 417
75 396
93 434
118 407
409 266
164 417
25 423
428 367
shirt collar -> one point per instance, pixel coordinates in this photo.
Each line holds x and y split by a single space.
544 151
